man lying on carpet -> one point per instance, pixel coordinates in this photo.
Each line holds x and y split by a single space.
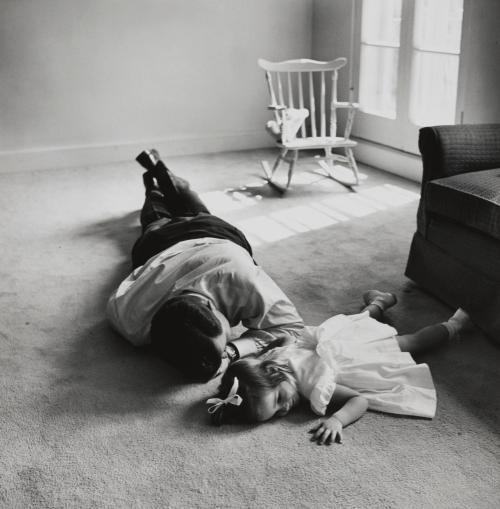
350 363
194 278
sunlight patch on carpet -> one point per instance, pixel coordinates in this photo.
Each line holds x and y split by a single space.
222 201
324 212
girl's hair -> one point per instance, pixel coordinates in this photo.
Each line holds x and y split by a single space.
255 377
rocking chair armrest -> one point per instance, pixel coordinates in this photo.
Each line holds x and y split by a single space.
276 107
354 106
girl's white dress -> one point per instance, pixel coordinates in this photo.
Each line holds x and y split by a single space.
361 353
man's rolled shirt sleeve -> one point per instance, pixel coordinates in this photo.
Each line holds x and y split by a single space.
270 316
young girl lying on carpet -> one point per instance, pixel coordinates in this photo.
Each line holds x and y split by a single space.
350 363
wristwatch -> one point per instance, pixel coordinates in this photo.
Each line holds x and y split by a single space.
232 352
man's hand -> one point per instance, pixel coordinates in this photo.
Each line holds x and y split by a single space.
326 432
223 365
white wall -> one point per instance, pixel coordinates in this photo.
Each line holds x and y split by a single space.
331 35
96 80
481 50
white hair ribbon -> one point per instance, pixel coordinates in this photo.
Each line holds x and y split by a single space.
231 399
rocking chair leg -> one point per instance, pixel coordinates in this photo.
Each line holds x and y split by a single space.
328 164
270 172
352 164
329 167
291 167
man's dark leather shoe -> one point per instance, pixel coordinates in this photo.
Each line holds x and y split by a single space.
148 159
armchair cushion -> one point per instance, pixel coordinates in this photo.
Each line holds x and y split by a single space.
471 199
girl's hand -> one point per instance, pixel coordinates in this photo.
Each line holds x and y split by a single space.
327 431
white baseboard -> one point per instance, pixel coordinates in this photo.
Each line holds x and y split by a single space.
71 156
389 159
369 153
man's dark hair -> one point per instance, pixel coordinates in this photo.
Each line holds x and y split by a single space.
182 332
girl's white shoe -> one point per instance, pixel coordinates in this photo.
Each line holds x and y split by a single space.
459 322
384 300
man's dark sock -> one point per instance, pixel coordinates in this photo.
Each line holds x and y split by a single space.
149 181
178 183
166 181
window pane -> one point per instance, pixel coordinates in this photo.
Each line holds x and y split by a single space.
433 88
378 80
381 20
438 25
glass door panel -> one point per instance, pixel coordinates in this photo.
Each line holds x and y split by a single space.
380 22
433 96
435 59
380 31
378 81
438 25
409 53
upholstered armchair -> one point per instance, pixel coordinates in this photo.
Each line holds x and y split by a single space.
455 252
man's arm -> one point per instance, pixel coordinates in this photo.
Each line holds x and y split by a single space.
255 341
246 295
268 315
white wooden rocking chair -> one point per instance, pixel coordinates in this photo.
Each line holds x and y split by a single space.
313 83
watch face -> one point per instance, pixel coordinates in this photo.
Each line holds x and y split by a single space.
231 352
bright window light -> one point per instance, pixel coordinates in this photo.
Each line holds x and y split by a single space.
265 229
220 201
291 219
370 202
288 222
348 205
334 214
304 218
380 39
436 49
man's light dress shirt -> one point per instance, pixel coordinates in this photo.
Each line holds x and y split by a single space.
219 270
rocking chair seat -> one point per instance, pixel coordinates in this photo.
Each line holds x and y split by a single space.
317 142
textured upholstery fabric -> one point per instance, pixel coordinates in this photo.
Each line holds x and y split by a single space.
472 199
467 245
455 252
454 149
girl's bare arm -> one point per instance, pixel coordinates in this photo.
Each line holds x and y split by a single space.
349 405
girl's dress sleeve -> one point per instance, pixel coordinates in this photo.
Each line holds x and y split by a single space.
315 379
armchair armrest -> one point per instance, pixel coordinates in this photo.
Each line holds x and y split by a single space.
276 107
454 149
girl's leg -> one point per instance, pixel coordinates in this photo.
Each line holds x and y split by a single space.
435 336
427 338
377 302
